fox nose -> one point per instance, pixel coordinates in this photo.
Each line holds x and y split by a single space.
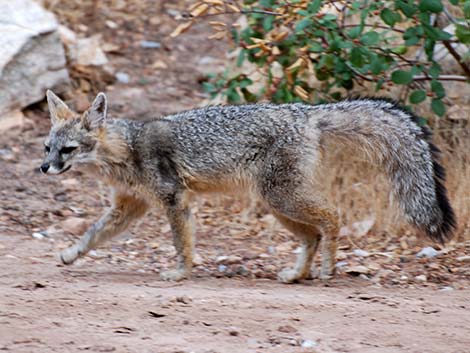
44 168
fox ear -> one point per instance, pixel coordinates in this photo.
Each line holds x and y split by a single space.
59 111
95 116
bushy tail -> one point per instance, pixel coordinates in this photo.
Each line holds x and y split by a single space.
391 136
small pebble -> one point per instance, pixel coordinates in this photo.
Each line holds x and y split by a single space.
122 77
446 289
421 278
428 252
360 253
341 264
465 258
38 235
149 44
233 331
308 344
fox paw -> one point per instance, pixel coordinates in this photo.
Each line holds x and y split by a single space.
69 255
326 274
289 275
174 275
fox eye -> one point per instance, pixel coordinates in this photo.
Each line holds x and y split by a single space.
67 150
47 149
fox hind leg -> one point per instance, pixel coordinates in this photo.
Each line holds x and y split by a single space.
328 252
307 216
310 239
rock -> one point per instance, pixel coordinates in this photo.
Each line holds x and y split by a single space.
70 183
122 77
32 58
38 235
345 232
184 299
465 258
360 253
357 270
6 154
197 260
446 289
74 225
12 120
428 252
159 65
133 99
308 344
228 260
233 331
241 271
421 278
287 329
111 24
67 36
88 52
361 228
149 44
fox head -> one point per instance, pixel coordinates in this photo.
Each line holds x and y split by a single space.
73 138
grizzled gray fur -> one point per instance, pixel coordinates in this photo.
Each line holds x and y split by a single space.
272 151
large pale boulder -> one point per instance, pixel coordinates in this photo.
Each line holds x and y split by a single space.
31 54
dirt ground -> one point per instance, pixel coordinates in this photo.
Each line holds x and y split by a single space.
384 298
104 308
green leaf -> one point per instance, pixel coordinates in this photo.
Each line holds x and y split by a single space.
438 89
314 6
370 38
268 23
454 2
376 65
435 70
355 32
379 84
401 77
429 48
302 24
466 9
408 9
417 96
241 57
401 49
329 17
249 97
356 57
316 47
434 6
390 17
267 3
438 107
208 87
463 33
327 61
233 96
412 35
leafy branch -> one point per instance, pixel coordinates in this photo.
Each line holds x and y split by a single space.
316 50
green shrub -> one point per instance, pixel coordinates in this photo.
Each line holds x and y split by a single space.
323 50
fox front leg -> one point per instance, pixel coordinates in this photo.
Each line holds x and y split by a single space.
182 226
126 208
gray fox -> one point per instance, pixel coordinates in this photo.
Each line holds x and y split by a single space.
274 151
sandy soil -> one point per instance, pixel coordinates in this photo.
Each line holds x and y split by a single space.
45 307
113 300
